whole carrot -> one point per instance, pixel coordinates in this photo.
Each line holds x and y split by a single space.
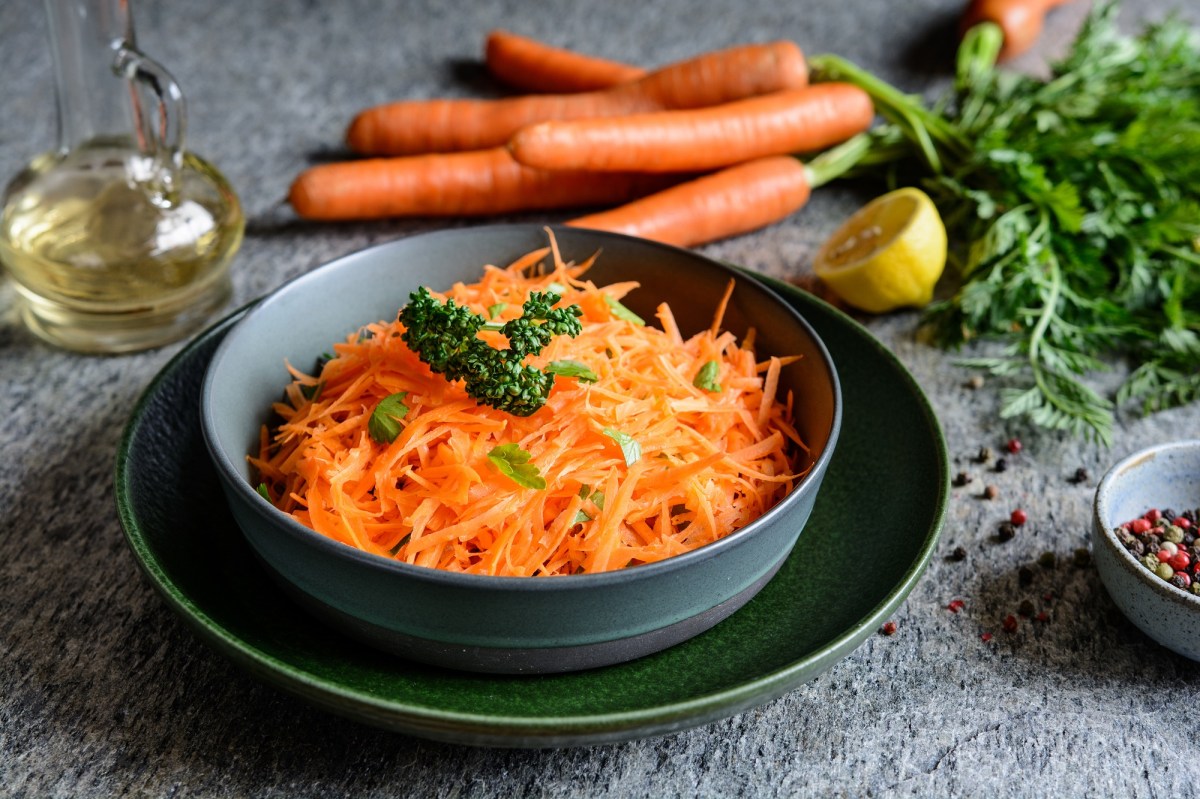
735 200
1020 21
475 183
421 126
695 140
533 66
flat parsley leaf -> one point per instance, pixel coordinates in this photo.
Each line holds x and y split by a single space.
706 378
569 368
513 462
385 422
597 498
630 448
621 312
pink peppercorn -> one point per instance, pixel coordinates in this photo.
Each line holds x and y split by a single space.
1018 517
1181 522
1183 578
1180 561
1162 555
1010 623
1153 515
1140 525
955 605
1013 445
986 637
889 628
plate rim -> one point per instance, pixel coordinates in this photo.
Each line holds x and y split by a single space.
525 731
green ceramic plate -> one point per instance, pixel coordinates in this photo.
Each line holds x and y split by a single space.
891 459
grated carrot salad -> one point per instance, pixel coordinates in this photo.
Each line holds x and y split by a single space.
710 461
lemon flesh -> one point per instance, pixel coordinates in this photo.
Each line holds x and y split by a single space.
888 255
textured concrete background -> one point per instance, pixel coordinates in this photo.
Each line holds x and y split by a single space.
104 692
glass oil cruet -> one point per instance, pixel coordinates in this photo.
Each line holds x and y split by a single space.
119 239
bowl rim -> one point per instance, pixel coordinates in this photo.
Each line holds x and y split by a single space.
305 535
1100 510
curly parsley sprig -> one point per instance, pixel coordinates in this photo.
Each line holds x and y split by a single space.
445 335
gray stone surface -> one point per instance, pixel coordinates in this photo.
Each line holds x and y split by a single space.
104 692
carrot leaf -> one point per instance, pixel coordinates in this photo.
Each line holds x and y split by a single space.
513 462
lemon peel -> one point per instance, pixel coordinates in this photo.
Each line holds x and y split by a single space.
889 254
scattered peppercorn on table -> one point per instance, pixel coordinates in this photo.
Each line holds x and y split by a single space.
1005 670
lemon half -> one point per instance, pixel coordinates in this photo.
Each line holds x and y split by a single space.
888 255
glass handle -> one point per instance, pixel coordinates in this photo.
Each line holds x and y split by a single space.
159 131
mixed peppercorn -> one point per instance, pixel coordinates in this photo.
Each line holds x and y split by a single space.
1165 543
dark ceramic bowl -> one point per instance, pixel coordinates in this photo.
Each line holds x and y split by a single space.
1165 476
507 624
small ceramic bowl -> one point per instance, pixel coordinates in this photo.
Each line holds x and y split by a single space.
507 624
1166 476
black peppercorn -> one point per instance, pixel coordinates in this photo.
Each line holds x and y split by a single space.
959 553
1006 531
1026 608
1001 464
1080 476
1025 575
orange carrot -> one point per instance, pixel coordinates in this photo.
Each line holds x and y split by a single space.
1020 20
533 66
473 183
421 126
735 200
710 461
695 140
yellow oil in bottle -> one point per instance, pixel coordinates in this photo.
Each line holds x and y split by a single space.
105 258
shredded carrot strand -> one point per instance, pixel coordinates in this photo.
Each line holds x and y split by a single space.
710 461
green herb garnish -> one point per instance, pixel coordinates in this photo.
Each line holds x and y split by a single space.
446 336
630 448
706 378
386 420
263 492
1078 197
513 462
569 368
597 498
313 391
621 312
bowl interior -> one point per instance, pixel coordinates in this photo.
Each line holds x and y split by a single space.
301 320
1164 477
